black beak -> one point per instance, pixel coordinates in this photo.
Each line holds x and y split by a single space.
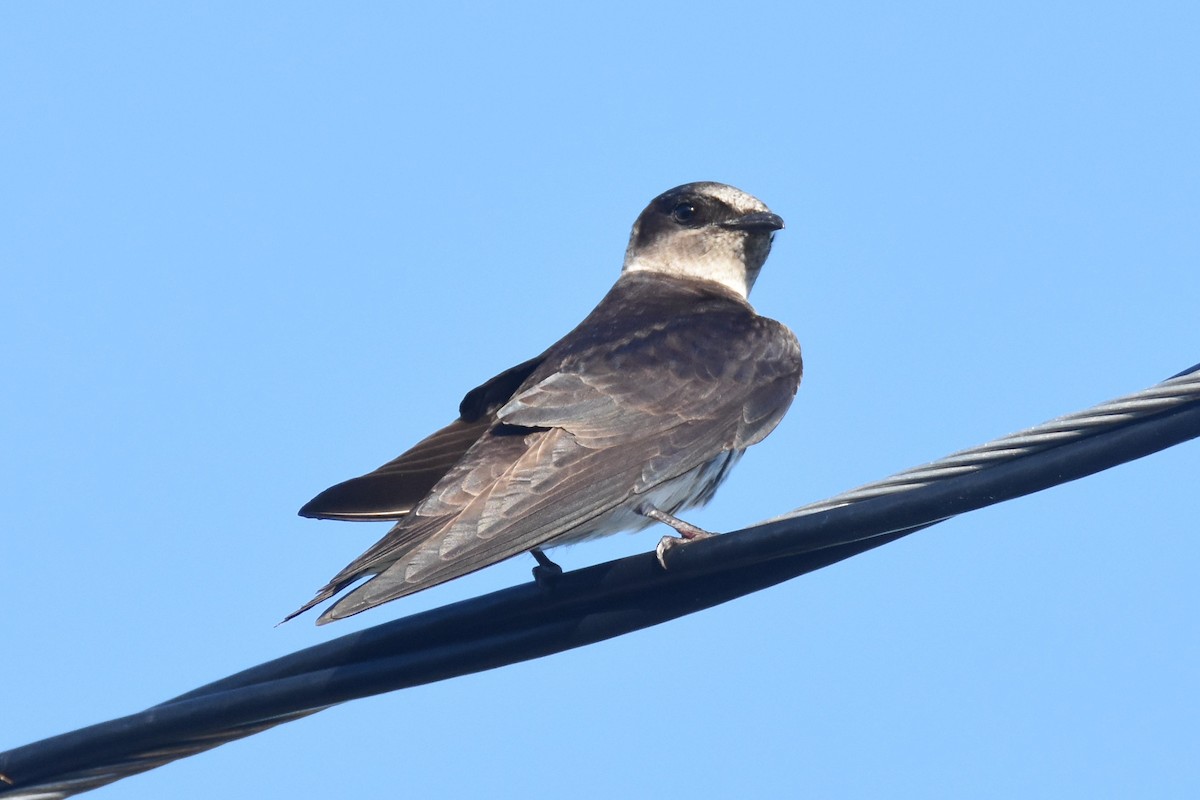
758 222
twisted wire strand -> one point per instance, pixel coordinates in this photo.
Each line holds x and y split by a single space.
1176 391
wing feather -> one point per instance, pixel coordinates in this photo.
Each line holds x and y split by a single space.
393 490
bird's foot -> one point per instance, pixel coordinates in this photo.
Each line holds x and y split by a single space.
668 542
686 530
546 573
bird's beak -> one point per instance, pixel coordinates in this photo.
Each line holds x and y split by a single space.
758 222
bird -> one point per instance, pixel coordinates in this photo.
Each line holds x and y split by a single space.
636 414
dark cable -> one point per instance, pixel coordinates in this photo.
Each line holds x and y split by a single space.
607 600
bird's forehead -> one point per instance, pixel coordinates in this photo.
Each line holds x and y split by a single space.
731 196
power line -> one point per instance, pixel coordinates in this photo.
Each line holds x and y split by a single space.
607 600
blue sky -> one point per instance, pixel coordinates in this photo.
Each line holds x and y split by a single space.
250 250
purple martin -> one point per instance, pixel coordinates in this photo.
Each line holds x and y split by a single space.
633 416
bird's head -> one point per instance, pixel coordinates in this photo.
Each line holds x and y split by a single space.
705 230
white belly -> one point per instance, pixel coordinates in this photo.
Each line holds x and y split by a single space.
691 489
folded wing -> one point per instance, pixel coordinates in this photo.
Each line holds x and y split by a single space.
590 429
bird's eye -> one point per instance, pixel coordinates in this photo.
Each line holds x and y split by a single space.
684 213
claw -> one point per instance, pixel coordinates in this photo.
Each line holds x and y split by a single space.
668 542
686 530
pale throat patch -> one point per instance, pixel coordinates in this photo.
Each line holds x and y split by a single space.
705 254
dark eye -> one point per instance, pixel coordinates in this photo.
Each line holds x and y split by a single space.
684 213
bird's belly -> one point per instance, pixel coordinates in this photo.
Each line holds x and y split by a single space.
693 488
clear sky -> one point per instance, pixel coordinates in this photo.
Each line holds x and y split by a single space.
250 250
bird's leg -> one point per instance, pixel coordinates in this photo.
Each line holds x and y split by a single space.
686 530
546 573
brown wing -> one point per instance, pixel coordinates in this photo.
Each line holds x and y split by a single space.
612 421
393 490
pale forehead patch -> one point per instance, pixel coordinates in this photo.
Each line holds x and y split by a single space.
733 197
